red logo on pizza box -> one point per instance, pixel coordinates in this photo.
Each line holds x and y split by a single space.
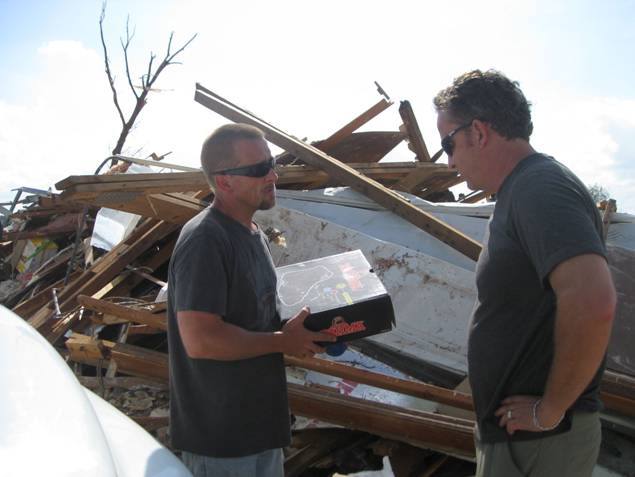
340 327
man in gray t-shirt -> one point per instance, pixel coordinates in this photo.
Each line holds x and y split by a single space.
545 304
229 412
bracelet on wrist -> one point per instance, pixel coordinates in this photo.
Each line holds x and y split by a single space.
536 422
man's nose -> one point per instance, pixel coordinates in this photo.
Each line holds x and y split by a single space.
451 163
272 175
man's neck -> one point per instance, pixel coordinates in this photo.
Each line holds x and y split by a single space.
509 154
240 215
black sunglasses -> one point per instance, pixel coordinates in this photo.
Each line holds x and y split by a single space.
447 143
256 170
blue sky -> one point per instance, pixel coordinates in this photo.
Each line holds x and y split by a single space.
309 67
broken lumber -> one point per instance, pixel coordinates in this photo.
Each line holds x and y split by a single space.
372 189
411 388
415 138
127 313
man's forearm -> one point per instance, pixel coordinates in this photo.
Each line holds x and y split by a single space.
229 342
580 339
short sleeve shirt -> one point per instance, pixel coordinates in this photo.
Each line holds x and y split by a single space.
543 216
225 408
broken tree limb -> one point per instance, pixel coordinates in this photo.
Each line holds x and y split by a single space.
372 189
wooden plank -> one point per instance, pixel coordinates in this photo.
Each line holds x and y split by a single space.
368 146
131 314
125 180
418 428
414 133
411 388
191 181
130 359
355 124
313 156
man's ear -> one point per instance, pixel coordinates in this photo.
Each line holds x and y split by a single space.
222 182
482 132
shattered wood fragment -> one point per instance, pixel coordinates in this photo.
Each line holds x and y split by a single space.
130 359
131 314
338 136
416 142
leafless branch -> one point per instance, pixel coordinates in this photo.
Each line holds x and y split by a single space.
111 81
125 46
146 77
147 80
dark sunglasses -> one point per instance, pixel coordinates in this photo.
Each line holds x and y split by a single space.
447 143
256 170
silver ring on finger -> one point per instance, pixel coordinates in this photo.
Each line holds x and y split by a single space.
509 414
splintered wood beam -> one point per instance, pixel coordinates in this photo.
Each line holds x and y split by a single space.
421 429
347 175
355 124
411 388
130 359
131 314
124 181
414 133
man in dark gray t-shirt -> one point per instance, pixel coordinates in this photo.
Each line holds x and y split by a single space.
545 304
229 412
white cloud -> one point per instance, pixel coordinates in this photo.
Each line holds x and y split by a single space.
63 127
592 136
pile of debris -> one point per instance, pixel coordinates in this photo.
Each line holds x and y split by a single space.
91 280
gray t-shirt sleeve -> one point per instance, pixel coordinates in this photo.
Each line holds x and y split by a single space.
555 221
201 269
